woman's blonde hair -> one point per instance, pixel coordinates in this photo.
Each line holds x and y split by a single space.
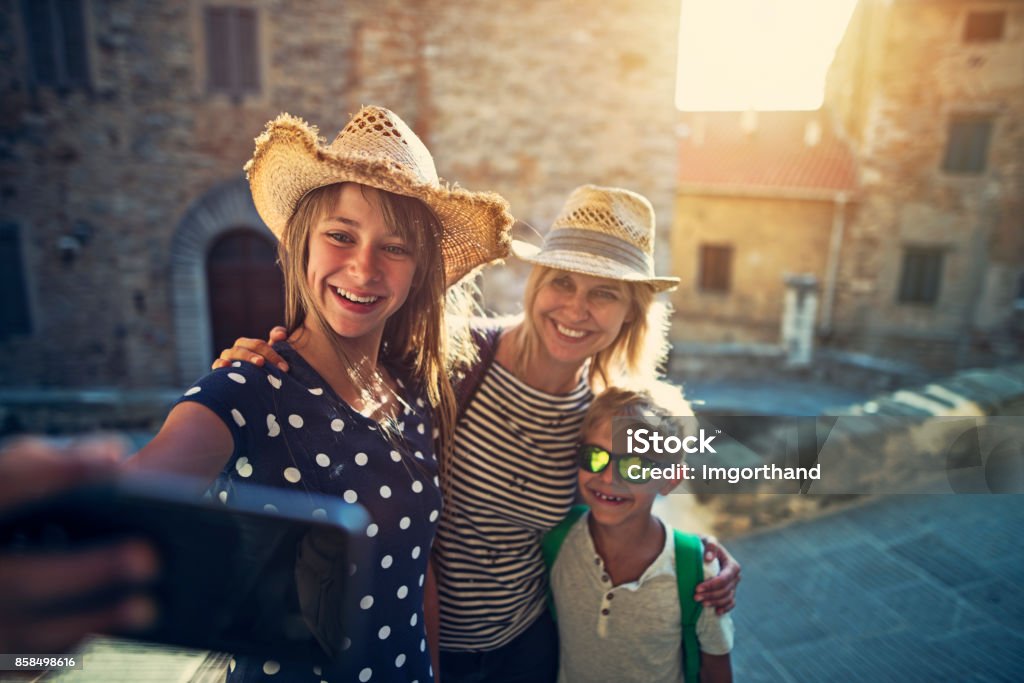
636 355
414 337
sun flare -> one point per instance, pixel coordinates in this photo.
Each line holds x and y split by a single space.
757 54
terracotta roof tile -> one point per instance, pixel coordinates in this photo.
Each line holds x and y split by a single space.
715 152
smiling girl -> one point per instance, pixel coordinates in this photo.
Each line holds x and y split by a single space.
369 240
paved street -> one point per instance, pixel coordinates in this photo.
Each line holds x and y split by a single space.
903 588
900 588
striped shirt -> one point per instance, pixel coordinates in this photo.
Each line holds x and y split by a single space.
513 477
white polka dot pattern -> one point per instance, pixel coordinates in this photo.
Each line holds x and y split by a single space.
243 467
293 433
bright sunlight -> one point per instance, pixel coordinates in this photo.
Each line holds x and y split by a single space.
757 54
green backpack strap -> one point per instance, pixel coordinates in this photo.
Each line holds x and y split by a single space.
552 541
689 573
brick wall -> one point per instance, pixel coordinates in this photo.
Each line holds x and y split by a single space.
527 98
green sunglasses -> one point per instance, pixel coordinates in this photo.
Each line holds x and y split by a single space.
595 459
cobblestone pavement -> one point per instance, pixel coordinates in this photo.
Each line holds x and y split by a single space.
902 588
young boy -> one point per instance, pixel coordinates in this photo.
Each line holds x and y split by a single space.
616 594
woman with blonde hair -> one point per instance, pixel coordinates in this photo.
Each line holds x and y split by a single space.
590 321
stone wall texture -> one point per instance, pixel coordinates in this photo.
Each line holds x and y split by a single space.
527 98
769 236
902 71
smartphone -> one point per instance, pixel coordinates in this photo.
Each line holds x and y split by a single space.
266 575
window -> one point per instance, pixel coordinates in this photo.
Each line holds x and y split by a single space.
14 318
922 275
55 31
715 268
967 145
984 27
232 54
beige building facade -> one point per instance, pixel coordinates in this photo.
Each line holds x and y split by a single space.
919 252
762 196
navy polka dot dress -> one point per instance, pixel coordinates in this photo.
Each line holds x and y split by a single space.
292 431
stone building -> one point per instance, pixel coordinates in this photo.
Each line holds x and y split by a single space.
931 97
761 195
920 254
128 243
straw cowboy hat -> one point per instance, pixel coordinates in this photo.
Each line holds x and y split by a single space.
377 149
601 231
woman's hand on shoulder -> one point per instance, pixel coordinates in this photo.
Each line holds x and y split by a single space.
719 592
255 351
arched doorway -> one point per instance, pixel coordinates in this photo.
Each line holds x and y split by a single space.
221 210
245 288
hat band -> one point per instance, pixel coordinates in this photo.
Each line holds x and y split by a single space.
600 244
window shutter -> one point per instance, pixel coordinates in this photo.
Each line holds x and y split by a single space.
983 27
967 145
39 27
232 50
922 275
14 316
218 59
247 52
75 53
715 268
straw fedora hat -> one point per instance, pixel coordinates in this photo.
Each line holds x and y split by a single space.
601 231
376 148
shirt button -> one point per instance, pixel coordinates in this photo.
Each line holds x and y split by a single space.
597 560
606 611
609 596
604 577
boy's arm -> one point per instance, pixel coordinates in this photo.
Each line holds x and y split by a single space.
715 668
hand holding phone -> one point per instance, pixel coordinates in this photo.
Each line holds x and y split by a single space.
32 582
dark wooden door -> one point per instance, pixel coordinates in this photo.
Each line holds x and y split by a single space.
245 287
